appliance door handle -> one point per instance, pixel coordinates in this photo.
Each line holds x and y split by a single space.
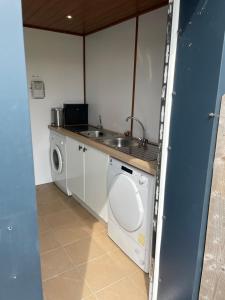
80 147
84 149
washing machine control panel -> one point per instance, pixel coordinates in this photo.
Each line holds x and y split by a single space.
120 167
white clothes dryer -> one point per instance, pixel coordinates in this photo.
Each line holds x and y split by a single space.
130 207
58 161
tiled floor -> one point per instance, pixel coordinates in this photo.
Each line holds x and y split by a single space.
78 260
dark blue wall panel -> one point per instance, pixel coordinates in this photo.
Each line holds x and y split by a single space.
199 85
19 247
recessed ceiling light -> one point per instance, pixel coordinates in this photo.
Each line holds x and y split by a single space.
69 17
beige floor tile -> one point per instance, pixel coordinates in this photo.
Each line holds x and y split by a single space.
43 225
49 193
126 265
78 209
62 218
102 239
84 250
49 207
94 226
70 234
67 286
122 290
92 297
45 187
54 263
141 280
48 241
100 272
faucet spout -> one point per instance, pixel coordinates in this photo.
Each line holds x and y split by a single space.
99 126
143 140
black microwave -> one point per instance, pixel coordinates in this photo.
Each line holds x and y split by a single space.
75 114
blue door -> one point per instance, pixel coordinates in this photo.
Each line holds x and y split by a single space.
19 247
199 86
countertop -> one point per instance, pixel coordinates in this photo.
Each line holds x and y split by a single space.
124 155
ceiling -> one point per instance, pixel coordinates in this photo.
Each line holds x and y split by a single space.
88 16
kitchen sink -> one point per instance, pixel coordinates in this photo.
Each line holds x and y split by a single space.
120 142
93 133
99 134
110 139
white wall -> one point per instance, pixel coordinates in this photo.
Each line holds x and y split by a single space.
58 60
149 72
109 71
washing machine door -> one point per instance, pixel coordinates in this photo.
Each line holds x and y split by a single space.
125 203
56 160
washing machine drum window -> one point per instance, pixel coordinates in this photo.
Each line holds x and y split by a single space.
56 159
125 203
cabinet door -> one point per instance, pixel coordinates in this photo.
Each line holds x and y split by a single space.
96 164
75 167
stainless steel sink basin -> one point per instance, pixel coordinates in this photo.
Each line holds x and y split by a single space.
93 133
99 134
120 142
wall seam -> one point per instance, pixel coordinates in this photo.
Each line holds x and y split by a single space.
134 73
84 67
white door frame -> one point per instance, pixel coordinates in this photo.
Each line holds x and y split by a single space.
164 132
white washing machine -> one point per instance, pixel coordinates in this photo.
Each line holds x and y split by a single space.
130 207
58 161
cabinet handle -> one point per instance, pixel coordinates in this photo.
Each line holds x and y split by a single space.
84 149
80 147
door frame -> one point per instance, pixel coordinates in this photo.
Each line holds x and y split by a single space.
165 115
20 276
196 105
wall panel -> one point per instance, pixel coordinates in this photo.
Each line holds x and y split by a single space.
109 75
58 59
150 57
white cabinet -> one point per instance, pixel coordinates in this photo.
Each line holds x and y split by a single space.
87 176
96 164
75 167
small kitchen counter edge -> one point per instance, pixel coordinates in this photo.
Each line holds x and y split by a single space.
146 166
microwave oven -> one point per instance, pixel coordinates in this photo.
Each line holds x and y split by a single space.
75 114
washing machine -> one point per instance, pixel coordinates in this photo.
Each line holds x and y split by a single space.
130 208
58 161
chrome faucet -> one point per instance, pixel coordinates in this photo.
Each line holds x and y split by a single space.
143 141
99 126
